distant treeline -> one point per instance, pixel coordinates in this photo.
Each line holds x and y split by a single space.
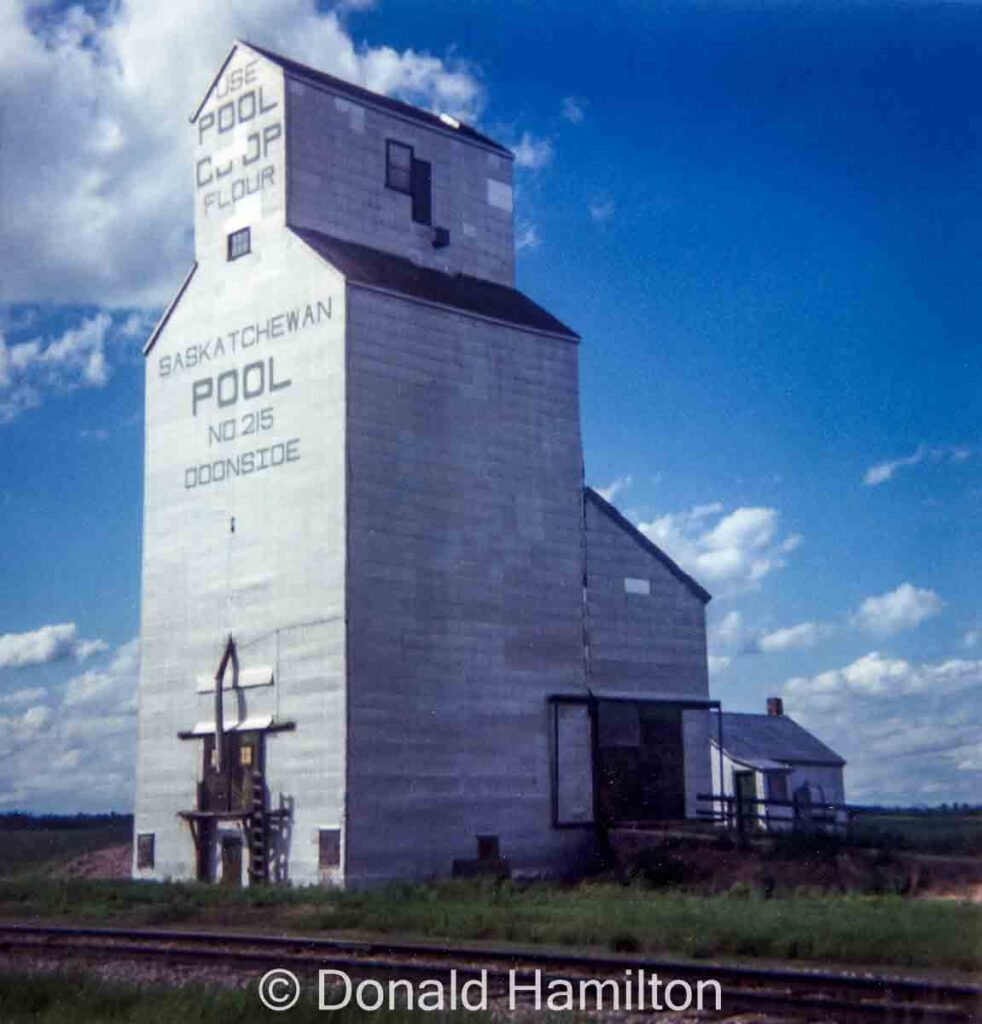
21 820
944 809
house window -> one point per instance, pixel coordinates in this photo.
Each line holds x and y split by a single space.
777 786
329 848
144 850
239 243
245 756
399 166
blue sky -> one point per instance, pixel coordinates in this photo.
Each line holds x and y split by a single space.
764 220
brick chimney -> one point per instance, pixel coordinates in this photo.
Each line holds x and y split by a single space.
775 706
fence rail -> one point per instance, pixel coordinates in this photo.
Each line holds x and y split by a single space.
746 813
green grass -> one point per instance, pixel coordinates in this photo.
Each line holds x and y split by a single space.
954 834
886 930
78 998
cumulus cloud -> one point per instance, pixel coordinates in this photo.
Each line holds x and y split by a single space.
880 676
909 730
97 147
897 610
532 153
572 110
884 471
614 488
793 638
730 552
47 644
73 747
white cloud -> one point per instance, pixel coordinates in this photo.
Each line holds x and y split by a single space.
731 552
897 610
910 731
972 638
44 645
532 153
880 676
614 488
97 149
601 210
31 369
884 471
73 748
793 638
30 695
717 663
527 237
572 110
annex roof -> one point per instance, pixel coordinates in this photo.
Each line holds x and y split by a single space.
387 272
632 531
446 125
755 739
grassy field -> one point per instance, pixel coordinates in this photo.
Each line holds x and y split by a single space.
40 850
81 999
954 834
843 929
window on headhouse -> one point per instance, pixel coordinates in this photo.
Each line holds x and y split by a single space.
399 166
404 173
239 243
144 850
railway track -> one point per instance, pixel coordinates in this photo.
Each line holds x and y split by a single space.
803 994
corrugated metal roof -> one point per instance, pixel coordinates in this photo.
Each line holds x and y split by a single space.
308 74
758 738
388 272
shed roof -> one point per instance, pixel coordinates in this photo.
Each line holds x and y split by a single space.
304 73
385 271
755 739
650 546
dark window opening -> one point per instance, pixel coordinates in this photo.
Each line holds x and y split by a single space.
422 193
239 243
144 850
404 173
399 166
329 848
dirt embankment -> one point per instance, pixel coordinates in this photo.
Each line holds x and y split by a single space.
767 868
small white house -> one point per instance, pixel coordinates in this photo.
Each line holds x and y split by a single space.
770 757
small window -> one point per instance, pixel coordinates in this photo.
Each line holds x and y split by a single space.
422 192
399 166
144 850
239 243
637 586
245 756
329 848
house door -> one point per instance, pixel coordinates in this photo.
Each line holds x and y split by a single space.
745 788
231 860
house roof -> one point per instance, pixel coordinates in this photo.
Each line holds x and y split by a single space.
387 272
311 75
756 739
629 528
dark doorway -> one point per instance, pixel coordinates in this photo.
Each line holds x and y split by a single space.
745 789
641 757
231 861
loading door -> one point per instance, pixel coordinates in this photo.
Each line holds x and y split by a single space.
641 761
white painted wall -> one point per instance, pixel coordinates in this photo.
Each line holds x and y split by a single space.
277 583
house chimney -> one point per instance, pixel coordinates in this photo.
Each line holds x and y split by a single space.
775 707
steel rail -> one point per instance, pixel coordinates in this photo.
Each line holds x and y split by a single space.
848 997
